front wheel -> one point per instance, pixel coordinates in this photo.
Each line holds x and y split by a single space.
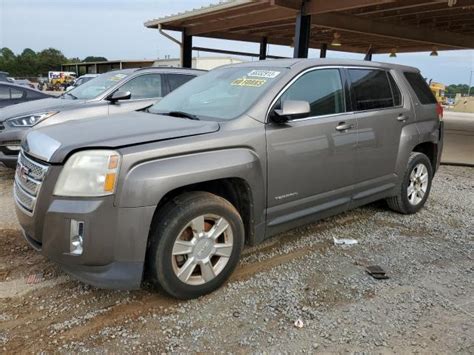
415 187
196 245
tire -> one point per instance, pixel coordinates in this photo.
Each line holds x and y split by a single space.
406 202
190 226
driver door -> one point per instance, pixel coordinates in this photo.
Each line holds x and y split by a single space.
146 89
311 160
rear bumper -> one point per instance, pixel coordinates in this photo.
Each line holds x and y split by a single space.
8 160
440 144
10 137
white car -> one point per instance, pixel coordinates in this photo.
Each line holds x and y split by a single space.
81 80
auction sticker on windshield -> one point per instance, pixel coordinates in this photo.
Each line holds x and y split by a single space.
252 83
270 74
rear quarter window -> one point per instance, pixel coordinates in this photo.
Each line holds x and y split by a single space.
421 88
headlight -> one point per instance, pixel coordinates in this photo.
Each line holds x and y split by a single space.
89 173
30 120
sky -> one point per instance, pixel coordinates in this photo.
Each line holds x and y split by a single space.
114 29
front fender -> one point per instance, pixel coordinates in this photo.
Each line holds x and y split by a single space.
148 182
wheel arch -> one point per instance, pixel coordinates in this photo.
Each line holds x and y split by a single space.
234 174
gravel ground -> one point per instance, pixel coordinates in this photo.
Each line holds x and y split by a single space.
426 306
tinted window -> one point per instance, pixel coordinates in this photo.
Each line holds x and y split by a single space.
371 89
144 86
4 92
176 80
397 96
421 88
34 94
321 88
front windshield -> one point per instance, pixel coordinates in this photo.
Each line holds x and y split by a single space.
95 87
220 94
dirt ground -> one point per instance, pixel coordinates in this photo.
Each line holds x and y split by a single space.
426 306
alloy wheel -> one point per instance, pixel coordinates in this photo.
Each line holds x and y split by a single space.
202 249
418 184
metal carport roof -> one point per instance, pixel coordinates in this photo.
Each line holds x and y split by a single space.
381 25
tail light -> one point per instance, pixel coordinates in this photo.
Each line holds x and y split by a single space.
439 111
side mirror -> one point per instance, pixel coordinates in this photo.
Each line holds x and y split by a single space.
291 109
119 95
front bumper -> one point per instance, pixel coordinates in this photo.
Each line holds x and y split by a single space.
114 244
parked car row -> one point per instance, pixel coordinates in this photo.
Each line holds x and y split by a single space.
171 190
111 93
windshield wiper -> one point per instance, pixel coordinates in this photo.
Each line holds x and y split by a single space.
181 114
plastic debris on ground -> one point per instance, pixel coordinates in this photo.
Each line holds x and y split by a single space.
376 272
299 323
345 241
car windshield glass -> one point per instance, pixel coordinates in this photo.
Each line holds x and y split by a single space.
221 94
97 86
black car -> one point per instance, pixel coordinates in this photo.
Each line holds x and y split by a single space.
11 94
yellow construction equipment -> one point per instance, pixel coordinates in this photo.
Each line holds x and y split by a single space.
438 90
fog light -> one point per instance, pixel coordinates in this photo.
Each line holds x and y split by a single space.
76 237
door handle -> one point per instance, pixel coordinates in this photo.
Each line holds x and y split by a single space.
401 117
343 126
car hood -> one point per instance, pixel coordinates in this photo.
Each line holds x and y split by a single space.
53 143
38 106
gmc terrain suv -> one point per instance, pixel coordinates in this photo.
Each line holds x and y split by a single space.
232 157
110 93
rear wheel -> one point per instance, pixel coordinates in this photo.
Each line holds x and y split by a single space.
415 187
196 244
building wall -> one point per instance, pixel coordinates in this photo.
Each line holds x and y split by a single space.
205 63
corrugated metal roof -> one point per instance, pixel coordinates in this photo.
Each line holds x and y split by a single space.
222 5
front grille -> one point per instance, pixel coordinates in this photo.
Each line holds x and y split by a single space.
28 179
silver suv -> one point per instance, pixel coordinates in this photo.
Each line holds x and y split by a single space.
230 158
110 93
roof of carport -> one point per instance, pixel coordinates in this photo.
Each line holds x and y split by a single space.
406 25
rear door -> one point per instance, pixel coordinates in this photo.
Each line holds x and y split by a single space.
146 89
311 160
381 113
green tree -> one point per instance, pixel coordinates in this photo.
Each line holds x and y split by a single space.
94 59
7 60
27 63
50 59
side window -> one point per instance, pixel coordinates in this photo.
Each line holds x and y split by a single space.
16 93
4 92
33 94
321 88
421 88
397 96
146 86
176 80
371 89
